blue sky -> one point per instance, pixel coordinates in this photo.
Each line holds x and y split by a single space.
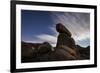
39 26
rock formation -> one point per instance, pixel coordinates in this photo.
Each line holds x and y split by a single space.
64 39
66 42
65 49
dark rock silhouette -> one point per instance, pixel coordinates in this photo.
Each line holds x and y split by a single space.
65 40
84 52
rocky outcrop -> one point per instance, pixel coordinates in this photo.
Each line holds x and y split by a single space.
66 43
28 51
65 49
64 39
35 52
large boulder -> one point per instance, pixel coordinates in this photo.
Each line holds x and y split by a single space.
63 39
44 48
70 52
62 53
62 29
65 43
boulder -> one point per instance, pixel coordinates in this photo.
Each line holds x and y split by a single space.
65 53
62 29
66 44
44 48
61 54
63 39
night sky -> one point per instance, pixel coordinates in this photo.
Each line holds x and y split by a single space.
39 26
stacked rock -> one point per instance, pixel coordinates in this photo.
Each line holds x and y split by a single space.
65 43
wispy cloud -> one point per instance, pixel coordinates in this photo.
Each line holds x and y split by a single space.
47 38
77 23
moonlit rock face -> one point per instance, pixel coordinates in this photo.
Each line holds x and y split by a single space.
62 29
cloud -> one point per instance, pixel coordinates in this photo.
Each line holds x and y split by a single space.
47 38
77 23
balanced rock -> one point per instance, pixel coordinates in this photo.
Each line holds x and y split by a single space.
62 29
65 43
44 48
